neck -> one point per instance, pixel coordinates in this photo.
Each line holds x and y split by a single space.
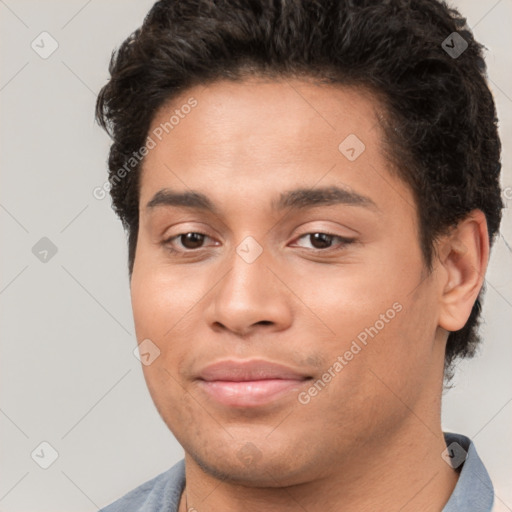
405 473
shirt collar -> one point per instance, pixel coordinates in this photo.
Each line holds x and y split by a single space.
474 490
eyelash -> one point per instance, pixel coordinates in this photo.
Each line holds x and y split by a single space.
343 242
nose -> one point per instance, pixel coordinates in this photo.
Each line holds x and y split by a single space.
250 297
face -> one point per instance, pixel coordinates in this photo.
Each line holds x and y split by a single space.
278 273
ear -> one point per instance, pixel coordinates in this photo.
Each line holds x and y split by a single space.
463 256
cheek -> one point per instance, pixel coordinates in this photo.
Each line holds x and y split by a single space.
380 319
350 298
160 304
161 301
161 298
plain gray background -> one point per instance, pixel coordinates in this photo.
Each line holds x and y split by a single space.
68 374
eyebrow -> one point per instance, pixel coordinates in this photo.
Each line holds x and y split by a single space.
192 199
307 198
298 199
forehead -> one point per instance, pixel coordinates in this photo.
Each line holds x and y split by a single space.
283 115
256 137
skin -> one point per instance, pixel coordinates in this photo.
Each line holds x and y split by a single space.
372 438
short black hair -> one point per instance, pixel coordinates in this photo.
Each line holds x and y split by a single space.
418 57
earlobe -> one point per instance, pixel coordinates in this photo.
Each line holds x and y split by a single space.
463 255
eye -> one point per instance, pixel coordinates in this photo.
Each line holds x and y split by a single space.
321 241
187 241
193 240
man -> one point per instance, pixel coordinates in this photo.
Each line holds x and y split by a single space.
310 190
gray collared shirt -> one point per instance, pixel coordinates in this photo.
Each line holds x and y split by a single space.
473 493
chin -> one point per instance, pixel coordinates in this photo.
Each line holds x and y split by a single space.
243 463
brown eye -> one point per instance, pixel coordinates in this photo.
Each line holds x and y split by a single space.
323 241
189 243
320 240
192 240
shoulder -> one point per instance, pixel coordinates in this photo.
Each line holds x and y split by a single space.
160 494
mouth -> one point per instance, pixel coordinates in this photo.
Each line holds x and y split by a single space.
250 383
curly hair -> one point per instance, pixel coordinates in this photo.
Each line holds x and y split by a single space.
440 126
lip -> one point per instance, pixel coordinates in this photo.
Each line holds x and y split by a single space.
249 383
248 370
